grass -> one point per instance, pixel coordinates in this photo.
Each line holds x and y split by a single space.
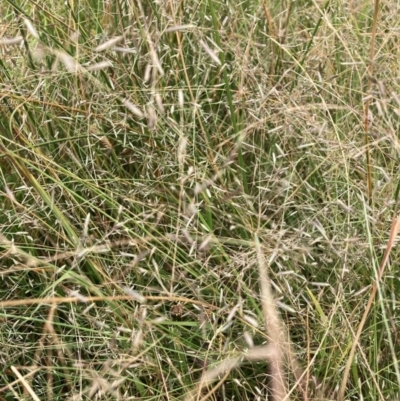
196 199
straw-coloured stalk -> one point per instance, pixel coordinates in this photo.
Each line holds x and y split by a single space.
274 352
25 384
392 236
274 328
224 368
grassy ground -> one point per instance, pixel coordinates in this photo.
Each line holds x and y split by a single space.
174 176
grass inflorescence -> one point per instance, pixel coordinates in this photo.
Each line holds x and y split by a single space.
196 200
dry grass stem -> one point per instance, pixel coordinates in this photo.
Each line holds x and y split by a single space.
182 200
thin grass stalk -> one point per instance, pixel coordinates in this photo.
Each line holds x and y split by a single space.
393 233
274 328
367 103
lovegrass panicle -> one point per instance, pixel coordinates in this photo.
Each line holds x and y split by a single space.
199 200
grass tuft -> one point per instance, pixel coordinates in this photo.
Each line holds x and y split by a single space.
196 200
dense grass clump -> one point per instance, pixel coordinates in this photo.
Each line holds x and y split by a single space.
196 199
